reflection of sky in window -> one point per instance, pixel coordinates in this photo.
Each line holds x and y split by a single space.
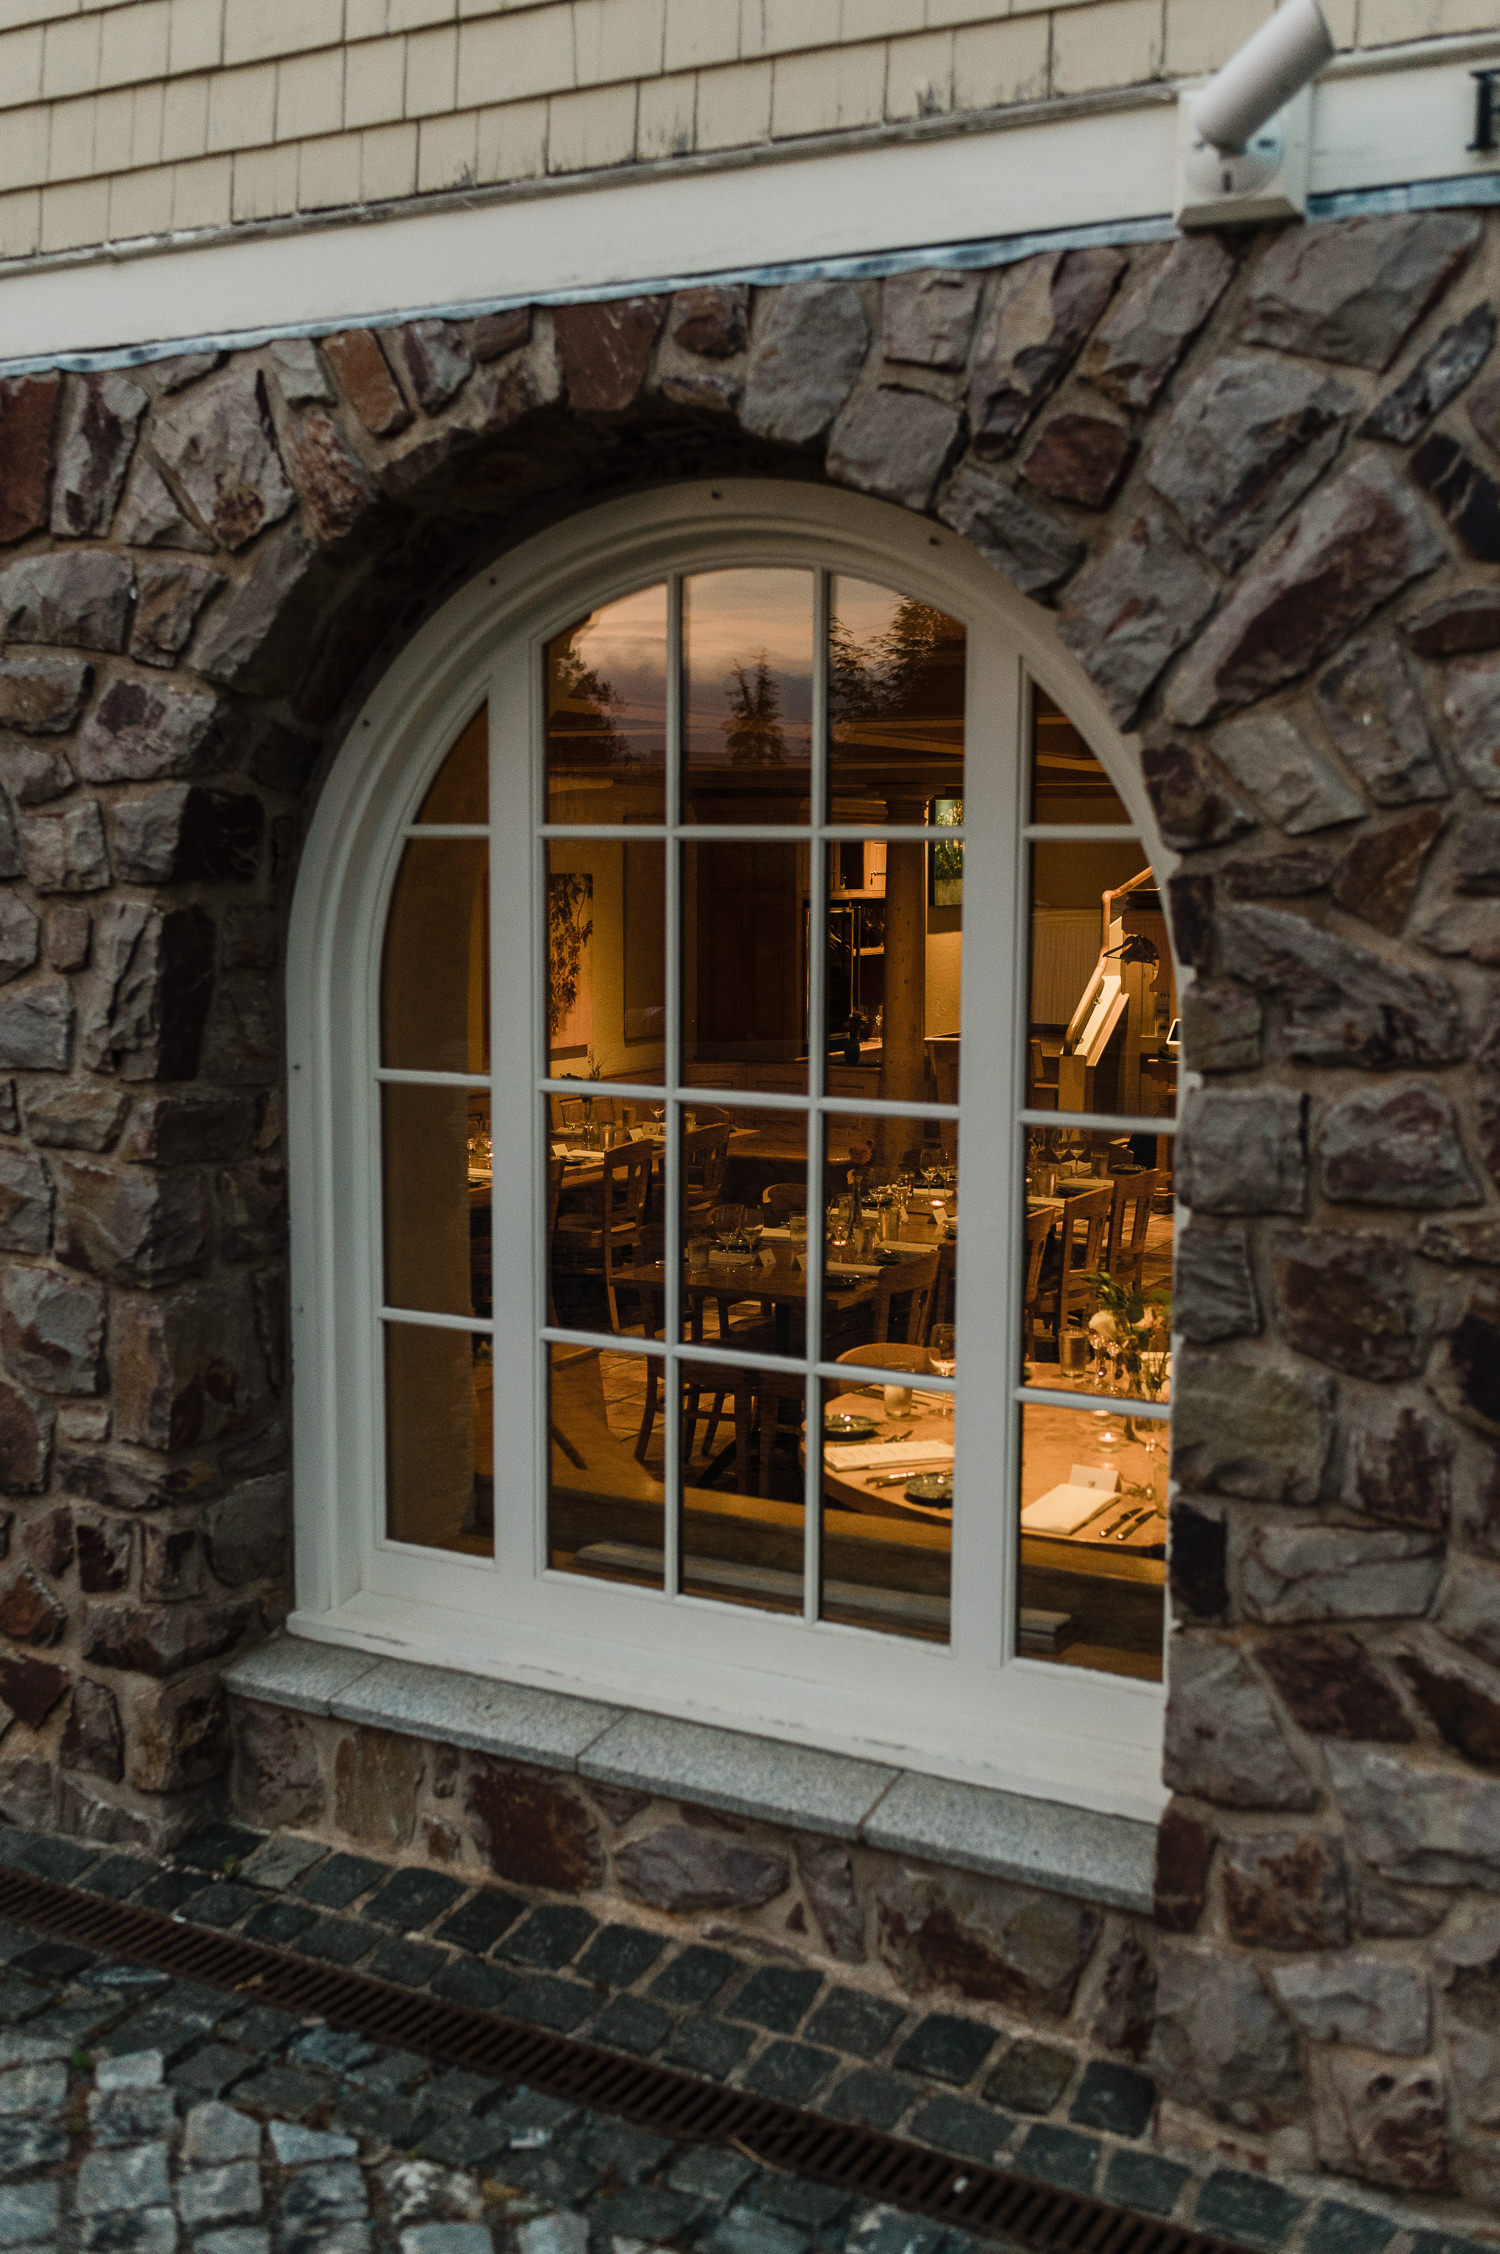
748 651
624 648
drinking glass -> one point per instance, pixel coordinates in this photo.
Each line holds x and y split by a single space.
931 1163
943 1358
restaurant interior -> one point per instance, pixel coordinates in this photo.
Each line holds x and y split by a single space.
749 1121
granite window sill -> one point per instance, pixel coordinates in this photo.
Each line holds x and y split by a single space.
1093 1857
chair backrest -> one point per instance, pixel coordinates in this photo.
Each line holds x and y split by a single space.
942 1055
625 1177
567 1112
912 1280
780 1199
1039 1227
704 1152
1085 1223
1129 1222
887 1356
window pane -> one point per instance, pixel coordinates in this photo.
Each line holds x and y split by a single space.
747 673
887 1499
435 976
460 792
605 1494
1103 1033
1068 784
439 1438
603 1215
1093 1536
438 1238
606 959
743 1493
744 1213
890 1233
893 968
607 714
896 705
744 966
1097 1284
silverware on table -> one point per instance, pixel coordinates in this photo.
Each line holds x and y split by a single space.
1124 1527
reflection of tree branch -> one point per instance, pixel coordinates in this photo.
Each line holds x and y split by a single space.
753 732
569 901
914 670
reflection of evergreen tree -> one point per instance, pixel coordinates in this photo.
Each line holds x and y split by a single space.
579 699
913 670
753 730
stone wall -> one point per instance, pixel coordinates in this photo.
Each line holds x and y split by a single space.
1257 481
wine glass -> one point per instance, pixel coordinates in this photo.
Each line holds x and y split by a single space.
942 1357
930 1162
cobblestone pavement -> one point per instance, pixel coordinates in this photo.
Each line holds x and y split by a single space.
140 2114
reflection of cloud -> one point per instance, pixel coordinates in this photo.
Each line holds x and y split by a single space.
626 646
731 618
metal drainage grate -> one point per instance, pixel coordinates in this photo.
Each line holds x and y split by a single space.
866 2161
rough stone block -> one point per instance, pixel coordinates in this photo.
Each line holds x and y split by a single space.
1040 312
1466 495
183 833
1034 550
1080 458
140 734
1220 2043
1243 1152
169 597
28 408
438 360
25 1444
1353 292
161 1640
685 1867
1243 1426
1144 336
52 1329
1133 608
79 599
809 342
360 365
104 1552
329 475
494 334
219 447
1346 1300
153 980
1384 865
94 446
187 1366
1247 440
1272 759
1471 711
1380 2120
1394 1146
1344 1004
1286 1890
948 1931
927 318
893 444
25 1202
1198 1561
42 696
36 1026
131 1227
605 350
1438 377
1224 1741
65 851
1213 1289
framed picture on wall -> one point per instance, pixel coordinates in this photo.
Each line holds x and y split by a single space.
945 863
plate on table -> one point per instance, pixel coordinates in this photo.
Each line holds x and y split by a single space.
934 1488
840 1427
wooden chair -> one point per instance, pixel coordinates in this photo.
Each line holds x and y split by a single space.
1134 1197
604 1234
1039 1227
780 1200
887 1356
705 1152
1082 1236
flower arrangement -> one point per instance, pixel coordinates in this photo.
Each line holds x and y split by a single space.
1130 1333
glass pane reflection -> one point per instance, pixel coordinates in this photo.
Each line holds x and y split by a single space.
607 714
605 1499
744 1227
744 965
1068 784
1093 1536
1097 1290
1103 991
434 1014
439 1438
890 1234
438 1236
747 673
460 792
606 959
896 705
893 972
887 1496
743 1494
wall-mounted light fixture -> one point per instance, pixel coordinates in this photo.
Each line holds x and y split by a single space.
1243 137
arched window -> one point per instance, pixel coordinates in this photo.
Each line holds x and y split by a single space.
733 1041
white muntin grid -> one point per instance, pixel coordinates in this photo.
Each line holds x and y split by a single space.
674 1352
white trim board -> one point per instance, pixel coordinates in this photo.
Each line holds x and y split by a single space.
1381 123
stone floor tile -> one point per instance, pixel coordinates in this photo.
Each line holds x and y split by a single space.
78 2019
847 2021
341 1880
385 2119
282 2089
955 2124
150 2230
262 2028
243 2239
295 2146
798 2200
133 1980
532 2120
131 2116
643 2212
458 2092
408 1964
1118 2098
746 2231
392 2071
559 2004
946 2048
34 2089
117 1876
219 2195
52 1857
31 2144
411 1899
871 2095
216 2133
619 1955
694 1977
214 2068
1153 2186
462 2142
21 2000
707 2046
342 2238
279 1923
1247 2208
470 1980
320 2196
218 1847
447 2238
777 1996
557 2179
339 1940
553 2234
1058 2156
54 1960
478 1923
792 2071
1337 2228
631 2023
618 2148
160 2027
1031 2077
110 2180
336 2049
169 1889
130 2070
890 2230
280 1860
550 1938
28 2214
705 2172
223 1904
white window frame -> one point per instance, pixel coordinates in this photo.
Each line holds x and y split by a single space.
973 1710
